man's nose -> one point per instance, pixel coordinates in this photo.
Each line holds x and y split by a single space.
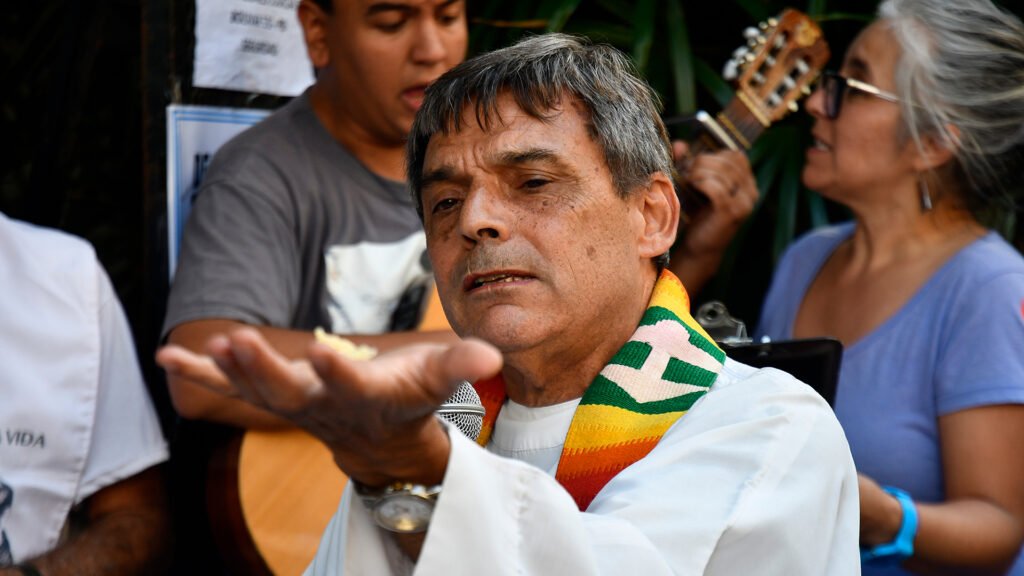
484 216
429 46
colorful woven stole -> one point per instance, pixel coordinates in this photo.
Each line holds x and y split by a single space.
655 377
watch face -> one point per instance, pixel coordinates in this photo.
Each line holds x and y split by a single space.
404 512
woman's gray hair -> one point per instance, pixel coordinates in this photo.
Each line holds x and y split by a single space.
963 66
543 73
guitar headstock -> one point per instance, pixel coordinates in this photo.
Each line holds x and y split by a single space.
776 68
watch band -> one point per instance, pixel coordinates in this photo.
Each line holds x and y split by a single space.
902 546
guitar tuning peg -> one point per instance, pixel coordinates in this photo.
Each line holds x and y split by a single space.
731 70
750 33
763 26
793 107
740 52
772 22
806 90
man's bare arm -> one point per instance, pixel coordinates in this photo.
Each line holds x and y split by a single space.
127 532
195 402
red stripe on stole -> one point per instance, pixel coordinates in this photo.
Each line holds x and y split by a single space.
595 460
583 473
492 396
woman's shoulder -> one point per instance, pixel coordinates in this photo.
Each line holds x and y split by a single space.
987 274
985 259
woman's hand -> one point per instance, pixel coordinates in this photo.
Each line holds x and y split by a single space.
880 513
726 180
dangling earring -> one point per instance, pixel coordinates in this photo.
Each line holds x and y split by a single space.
926 197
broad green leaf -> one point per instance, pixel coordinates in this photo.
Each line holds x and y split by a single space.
614 34
815 8
757 9
712 81
816 207
681 59
643 32
766 172
840 16
558 12
618 8
789 193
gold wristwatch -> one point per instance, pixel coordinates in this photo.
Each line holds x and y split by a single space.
400 507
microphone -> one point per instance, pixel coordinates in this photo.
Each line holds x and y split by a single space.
463 410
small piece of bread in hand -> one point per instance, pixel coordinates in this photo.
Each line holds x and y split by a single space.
345 347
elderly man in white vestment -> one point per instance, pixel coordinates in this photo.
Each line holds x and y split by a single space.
618 439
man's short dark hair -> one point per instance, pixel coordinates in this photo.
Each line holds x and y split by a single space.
325 5
541 73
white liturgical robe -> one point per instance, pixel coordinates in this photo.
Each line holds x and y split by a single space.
756 479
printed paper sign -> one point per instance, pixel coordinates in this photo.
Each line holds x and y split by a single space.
250 46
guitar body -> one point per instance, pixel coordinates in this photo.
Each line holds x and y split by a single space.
288 489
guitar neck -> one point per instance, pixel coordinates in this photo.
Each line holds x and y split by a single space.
735 127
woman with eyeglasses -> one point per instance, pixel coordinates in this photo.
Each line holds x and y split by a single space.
919 134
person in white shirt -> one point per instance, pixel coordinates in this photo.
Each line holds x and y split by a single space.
618 437
81 490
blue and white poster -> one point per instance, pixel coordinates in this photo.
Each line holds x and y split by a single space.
194 133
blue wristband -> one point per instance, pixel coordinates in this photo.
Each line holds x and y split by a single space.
902 547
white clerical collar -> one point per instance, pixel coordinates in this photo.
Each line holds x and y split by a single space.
533 435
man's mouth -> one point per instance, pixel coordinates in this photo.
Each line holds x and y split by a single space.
413 96
476 281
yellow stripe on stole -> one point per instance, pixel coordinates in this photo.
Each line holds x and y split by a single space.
669 293
595 425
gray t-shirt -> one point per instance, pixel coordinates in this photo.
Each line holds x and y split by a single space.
290 230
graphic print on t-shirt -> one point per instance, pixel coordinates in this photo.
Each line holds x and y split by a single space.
366 282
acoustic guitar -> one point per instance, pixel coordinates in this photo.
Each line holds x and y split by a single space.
272 493
774 69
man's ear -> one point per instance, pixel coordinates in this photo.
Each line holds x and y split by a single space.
314 29
659 206
937 149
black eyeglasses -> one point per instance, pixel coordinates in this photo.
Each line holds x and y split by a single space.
835 86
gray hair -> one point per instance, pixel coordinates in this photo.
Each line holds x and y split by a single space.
963 65
541 73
